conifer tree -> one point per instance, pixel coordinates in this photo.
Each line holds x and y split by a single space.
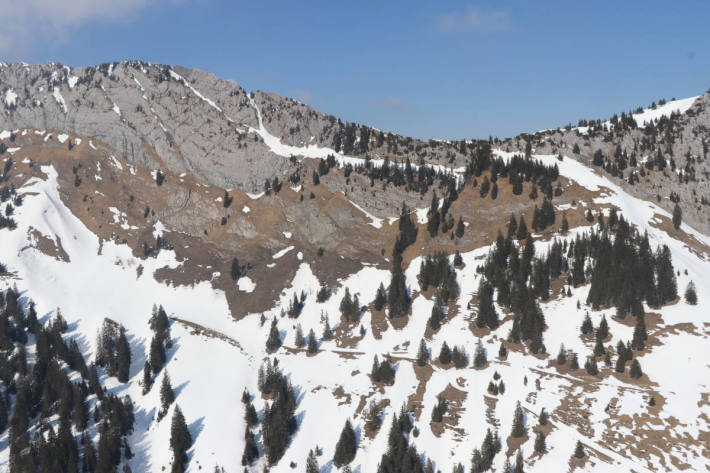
479 357
422 353
147 377
691 296
380 297
579 450
540 446
502 351
123 354
167 396
635 370
251 450
638 342
518 429
445 354
519 463
562 355
346 447
460 226
677 216
587 326
180 441
312 463
273 343
312 342
591 366
300 341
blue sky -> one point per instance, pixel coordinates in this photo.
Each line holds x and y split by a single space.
426 69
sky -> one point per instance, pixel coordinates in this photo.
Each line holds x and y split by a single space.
445 70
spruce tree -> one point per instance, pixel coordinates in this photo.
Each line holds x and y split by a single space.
562 355
635 371
312 342
445 354
312 463
479 357
460 228
273 343
167 396
299 341
502 351
691 296
540 446
380 297
346 447
251 450
587 326
422 353
677 216
123 355
579 450
180 441
518 429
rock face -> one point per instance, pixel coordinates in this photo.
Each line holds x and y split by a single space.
187 120
184 119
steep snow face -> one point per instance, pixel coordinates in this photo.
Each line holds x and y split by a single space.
103 279
650 115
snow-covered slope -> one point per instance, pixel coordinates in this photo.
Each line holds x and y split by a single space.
215 357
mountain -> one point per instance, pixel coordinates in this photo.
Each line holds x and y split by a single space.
312 285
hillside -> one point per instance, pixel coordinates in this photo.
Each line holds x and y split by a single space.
475 303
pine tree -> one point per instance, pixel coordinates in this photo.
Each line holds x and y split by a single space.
587 326
591 366
579 450
147 377
519 463
346 447
635 371
540 443
123 355
603 329
422 353
518 429
380 297
312 463
479 357
562 355
273 343
167 396
300 341
460 227
640 336
251 450
677 216
543 418
312 342
445 354
691 296
180 441
502 351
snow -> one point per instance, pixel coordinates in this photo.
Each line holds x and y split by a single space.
71 81
314 151
179 78
246 284
62 138
10 98
210 374
374 221
650 115
279 254
60 99
287 234
116 109
246 209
